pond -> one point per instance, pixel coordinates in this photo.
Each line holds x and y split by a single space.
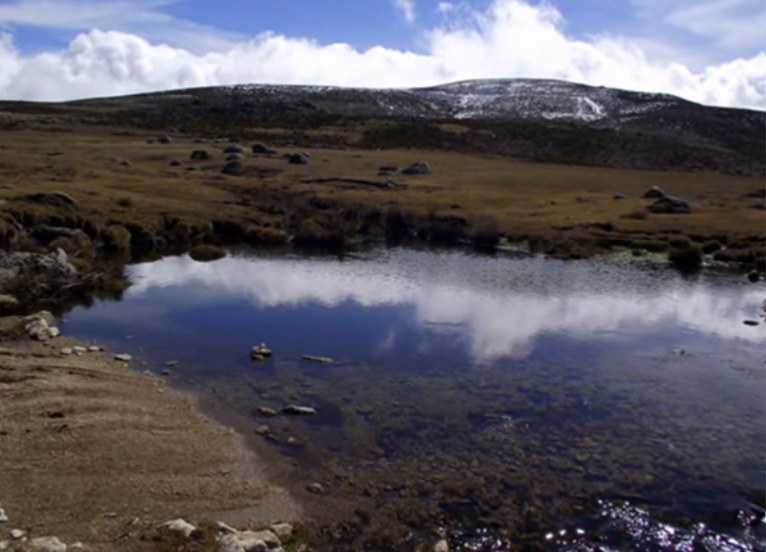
507 402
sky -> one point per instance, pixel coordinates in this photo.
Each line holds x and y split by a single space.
708 51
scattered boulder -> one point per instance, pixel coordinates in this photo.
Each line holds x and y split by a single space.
180 526
295 410
57 199
35 267
164 139
670 205
249 541
40 326
123 357
655 192
66 351
298 159
235 148
235 157
420 167
620 196
3 517
266 411
8 302
388 168
282 530
46 544
17 534
234 168
200 155
175 163
259 148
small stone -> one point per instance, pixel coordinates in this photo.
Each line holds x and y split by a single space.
4 545
47 544
316 488
262 430
123 357
79 350
67 351
266 411
250 541
94 349
180 526
296 410
76 546
441 546
750 322
282 530
3 517
16 534
620 196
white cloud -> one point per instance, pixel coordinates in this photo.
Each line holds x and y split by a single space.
407 9
445 7
510 39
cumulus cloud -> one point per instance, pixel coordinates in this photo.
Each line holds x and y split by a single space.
511 38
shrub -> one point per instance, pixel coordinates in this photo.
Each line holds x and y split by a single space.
654 246
688 259
205 253
116 239
125 202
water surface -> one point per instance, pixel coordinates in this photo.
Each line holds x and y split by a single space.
506 401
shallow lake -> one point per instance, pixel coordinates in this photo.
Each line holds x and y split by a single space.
507 402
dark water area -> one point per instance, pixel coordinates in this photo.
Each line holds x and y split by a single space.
504 403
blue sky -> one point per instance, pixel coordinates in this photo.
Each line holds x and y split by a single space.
708 50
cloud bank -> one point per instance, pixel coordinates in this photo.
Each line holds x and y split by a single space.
511 38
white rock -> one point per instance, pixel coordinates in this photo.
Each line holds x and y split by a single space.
3 517
282 530
76 546
123 358
54 332
67 351
4 545
94 349
441 546
47 544
180 526
249 541
16 534
79 349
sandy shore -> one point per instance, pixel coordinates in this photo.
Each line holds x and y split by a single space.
93 451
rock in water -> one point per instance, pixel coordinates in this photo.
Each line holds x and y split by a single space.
295 410
260 352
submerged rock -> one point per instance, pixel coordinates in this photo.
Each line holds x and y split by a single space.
295 410
260 352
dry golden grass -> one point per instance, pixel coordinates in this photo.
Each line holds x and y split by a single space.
120 178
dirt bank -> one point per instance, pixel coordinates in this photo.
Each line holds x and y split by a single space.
93 451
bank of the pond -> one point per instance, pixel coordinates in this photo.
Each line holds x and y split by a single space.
96 452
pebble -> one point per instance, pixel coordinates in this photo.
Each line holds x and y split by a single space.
123 357
4 545
262 430
94 349
441 546
3 517
79 350
67 351
266 411
17 534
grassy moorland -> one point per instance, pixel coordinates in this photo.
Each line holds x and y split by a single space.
556 188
